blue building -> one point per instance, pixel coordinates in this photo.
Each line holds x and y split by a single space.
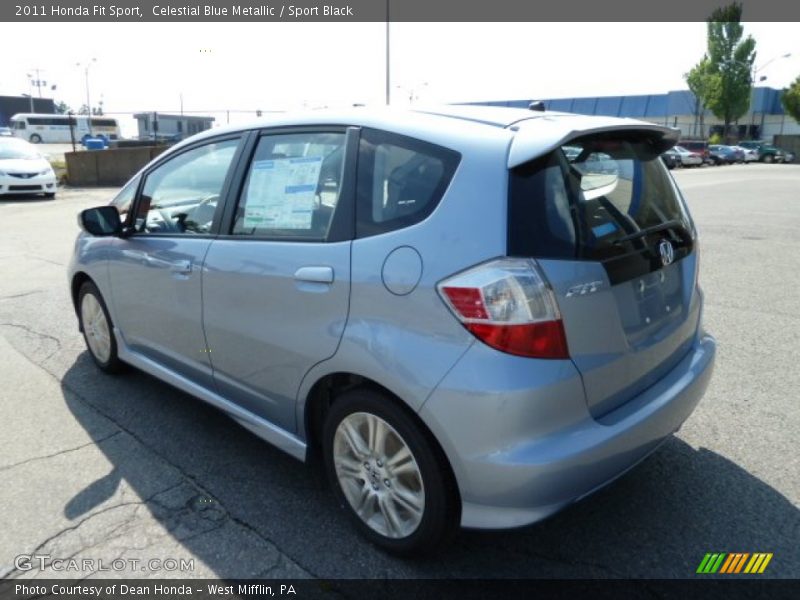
678 108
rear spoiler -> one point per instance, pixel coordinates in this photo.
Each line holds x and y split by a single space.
538 136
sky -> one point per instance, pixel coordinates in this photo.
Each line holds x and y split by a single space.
218 67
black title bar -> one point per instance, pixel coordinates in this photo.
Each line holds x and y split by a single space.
381 10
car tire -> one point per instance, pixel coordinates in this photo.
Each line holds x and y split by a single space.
97 328
767 158
401 496
35 138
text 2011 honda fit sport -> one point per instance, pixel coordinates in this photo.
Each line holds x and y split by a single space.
474 316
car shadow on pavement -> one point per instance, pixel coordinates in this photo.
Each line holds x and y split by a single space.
657 521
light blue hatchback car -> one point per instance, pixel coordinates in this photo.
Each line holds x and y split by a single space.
472 316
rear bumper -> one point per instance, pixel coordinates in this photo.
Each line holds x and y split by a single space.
517 479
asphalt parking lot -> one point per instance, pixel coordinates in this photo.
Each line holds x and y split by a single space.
103 467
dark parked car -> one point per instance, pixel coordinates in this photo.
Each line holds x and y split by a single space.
725 155
766 152
671 158
699 147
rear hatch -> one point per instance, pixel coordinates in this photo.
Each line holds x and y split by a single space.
608 227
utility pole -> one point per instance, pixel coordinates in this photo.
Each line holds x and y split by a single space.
760 79
36 82
39 82
388 78
88 99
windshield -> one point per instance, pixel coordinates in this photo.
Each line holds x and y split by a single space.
601 198
16 149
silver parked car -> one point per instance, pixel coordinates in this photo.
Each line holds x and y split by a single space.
689 158
466 326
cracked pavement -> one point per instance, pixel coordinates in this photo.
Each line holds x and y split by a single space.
100 467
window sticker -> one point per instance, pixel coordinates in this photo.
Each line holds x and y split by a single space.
281 193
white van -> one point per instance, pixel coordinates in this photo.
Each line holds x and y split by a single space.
40 128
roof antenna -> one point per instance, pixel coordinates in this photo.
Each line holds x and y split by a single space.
536 105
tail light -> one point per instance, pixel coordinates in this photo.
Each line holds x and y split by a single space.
507 304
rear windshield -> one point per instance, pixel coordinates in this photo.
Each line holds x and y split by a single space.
598 198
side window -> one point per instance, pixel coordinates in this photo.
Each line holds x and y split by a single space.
292 187
181 195
125 198
400 181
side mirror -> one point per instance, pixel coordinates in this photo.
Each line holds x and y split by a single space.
100 221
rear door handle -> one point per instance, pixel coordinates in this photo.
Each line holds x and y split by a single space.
181 267
314 274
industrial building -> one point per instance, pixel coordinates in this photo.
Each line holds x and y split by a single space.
12 105
153 124
765 120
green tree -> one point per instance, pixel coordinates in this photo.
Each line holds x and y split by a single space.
62 108
730 65
698 81
791 100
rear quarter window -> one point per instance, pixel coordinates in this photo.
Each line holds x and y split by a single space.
400 180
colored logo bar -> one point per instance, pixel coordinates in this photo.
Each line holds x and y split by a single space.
734 562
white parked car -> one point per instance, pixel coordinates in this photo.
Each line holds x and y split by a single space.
689 158
750 154
23 170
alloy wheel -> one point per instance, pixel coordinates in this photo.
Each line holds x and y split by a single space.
95 327
378 474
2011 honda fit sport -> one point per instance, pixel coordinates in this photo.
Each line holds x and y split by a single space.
473 316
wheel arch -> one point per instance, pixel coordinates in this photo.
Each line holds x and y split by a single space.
78 279
323 394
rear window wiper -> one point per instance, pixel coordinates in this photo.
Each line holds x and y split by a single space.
683 231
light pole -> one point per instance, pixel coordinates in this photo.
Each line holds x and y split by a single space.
88 99
766 64
760 79
36 82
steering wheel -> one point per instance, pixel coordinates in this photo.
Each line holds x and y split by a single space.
170 223
200 227
206 200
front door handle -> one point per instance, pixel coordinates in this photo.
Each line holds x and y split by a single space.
181 267
314 274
